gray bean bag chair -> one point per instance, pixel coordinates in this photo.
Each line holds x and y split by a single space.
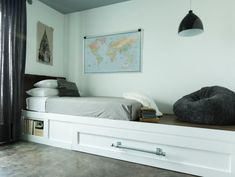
210 105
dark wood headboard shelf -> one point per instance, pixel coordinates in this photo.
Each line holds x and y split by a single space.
29 81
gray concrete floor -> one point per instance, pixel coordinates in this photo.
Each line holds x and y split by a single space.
25 159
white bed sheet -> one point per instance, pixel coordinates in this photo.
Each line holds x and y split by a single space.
36 104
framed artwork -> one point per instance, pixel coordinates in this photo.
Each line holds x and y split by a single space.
44 44
121 52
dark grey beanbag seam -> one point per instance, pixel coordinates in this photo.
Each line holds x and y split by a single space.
209 105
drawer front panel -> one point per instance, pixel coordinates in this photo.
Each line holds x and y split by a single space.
175 153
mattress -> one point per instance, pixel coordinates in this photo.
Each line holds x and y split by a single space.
36 104
99 107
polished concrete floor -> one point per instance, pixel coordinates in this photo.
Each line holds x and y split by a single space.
25 159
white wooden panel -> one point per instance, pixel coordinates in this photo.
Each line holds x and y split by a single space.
204 133
174 154
60 131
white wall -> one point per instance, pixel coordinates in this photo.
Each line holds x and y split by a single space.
40 12
73 48
172 66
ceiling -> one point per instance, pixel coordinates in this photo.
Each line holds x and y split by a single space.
69 6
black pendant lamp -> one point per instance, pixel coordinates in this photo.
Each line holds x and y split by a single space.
191 25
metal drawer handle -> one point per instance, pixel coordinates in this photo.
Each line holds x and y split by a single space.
158 151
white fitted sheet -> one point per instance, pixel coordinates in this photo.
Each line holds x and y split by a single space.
36 104
99 107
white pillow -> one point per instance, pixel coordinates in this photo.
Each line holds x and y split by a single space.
48 83
43 92
144 100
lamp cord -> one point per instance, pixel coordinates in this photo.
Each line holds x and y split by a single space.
190 4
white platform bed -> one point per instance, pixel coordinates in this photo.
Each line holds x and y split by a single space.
207 151
198 151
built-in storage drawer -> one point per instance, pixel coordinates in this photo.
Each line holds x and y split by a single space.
166 151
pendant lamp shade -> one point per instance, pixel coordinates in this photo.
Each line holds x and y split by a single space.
191 25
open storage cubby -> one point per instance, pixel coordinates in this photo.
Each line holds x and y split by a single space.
33 127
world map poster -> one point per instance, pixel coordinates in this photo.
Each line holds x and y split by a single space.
113 53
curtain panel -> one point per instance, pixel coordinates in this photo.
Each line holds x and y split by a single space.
12 66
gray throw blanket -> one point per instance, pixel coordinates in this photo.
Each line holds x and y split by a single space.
67 88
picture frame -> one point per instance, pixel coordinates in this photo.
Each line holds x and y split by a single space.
113 53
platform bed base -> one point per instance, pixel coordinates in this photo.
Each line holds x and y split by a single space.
197 151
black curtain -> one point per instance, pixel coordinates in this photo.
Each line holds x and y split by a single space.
12 66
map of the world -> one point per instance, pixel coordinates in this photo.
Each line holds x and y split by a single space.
113 53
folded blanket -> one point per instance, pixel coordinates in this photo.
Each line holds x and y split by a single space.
144 100
67 88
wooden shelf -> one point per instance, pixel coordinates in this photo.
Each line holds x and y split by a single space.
170 119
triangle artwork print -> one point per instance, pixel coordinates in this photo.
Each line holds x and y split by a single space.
44 44
44 54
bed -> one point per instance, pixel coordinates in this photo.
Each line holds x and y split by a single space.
99 107
198 151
